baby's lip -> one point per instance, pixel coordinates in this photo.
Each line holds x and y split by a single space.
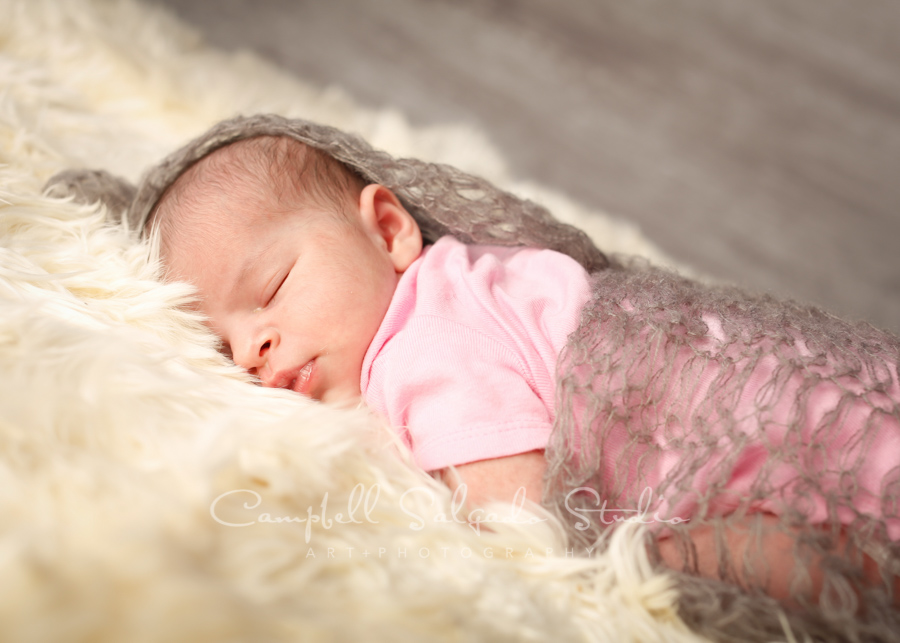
303 382
297 379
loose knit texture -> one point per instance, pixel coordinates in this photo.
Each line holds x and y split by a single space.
681 389
667 385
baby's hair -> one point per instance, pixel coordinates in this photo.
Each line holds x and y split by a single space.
281 171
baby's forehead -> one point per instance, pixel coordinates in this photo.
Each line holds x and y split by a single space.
213 198
248 183
230 173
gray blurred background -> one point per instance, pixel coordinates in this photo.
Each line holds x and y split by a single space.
757 141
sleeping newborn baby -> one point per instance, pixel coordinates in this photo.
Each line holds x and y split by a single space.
318 282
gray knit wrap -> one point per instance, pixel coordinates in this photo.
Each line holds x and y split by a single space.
441 198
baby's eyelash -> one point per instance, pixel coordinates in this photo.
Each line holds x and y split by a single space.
275 292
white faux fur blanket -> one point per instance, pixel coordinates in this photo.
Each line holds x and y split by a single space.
149 491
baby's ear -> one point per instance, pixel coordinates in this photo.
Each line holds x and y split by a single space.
388 222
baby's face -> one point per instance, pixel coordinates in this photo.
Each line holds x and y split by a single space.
296 297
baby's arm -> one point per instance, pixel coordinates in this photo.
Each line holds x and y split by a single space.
773 551
499 479
775 545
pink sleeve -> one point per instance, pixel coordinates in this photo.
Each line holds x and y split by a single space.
472 399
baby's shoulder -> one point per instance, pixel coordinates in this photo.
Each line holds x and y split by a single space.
461 263
498 288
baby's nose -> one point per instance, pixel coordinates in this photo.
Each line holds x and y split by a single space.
255 355
265 372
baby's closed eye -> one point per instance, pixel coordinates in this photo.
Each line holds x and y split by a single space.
271 298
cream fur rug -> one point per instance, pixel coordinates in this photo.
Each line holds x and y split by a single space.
130 450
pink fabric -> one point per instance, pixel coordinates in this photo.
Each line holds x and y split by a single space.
464 362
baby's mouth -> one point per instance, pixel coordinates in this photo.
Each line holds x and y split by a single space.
303 381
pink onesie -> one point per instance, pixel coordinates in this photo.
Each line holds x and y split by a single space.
464 362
